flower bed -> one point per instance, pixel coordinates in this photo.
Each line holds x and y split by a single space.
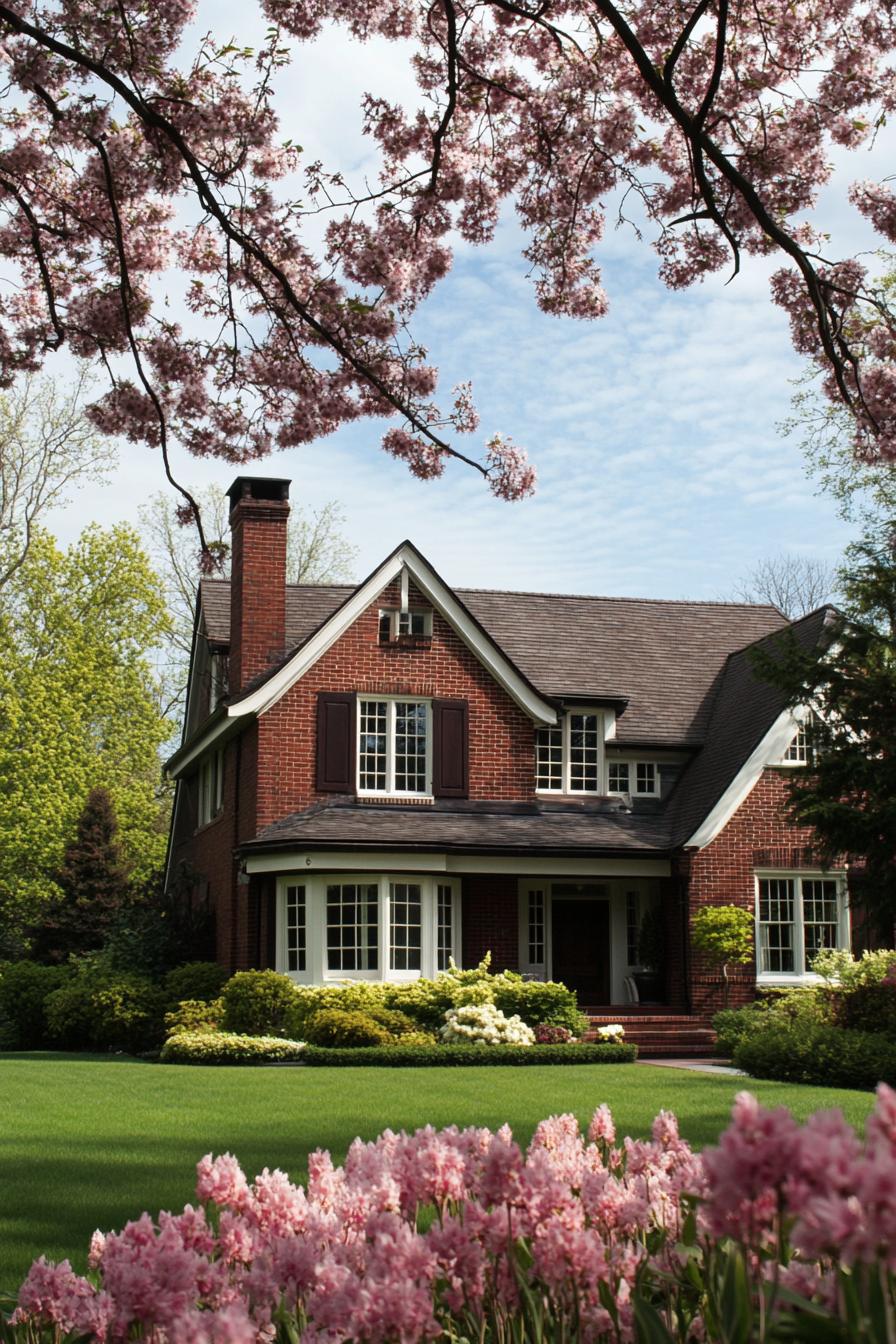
780 1232
224 1047
437 1056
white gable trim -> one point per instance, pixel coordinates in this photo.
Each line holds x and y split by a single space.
405 560
769 752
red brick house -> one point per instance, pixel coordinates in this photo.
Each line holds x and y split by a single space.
376 778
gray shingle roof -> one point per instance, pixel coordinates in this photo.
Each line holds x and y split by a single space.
743 711
504 828
665 658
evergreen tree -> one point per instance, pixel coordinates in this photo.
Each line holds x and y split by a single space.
848 793
93 882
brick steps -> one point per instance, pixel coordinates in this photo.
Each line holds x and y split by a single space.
660 1034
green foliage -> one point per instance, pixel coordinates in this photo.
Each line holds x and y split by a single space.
97 1010
407 1056
221 1047
261 1003
24 989
160 928
846 972
789 1008
723 934
93 884
194 1015
849 794
869 1008
338 1027
820 1054
78 709
195 980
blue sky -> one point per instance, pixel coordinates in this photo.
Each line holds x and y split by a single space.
654 431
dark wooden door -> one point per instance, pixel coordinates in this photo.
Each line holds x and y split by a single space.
581 948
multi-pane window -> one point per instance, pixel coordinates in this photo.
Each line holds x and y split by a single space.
296 929
352 926
632 926
536 928
393 746
568 758
395 624
372 745
637 777
797 917
798 751
444 925
405 926
211 787
217 681
584 753
549 758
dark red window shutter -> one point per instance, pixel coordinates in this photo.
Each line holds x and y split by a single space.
336 743
450 749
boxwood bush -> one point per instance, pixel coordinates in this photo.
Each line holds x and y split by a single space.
819 1054
24 990
222 1047
96 1010
197 980
337 1026
410 1056
261 1003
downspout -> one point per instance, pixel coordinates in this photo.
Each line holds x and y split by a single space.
238 762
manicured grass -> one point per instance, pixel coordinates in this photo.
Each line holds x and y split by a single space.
89 1141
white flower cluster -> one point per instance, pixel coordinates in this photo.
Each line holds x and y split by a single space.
613 1031
484 1024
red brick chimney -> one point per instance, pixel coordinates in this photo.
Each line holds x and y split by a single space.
259 509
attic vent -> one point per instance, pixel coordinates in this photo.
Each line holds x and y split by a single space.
400 625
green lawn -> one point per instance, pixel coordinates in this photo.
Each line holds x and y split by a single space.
90 1142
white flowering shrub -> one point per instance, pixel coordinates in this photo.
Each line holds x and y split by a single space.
613 1031
484 1024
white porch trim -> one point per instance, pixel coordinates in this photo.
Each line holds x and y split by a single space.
309 860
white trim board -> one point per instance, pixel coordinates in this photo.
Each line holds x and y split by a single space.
405 562
768 752
309 861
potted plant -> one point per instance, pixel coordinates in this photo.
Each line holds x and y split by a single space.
650 977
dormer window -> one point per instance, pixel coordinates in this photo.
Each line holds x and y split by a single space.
411 624
569 758
639 778
799 750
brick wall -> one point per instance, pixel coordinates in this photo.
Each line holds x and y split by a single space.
490 922
502 761
723 873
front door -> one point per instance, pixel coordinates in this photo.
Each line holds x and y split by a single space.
580 932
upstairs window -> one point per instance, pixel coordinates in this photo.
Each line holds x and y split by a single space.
405 624
394 747
569 758
799 751
211 787
640 778
217 682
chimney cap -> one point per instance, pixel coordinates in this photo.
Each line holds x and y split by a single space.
258 487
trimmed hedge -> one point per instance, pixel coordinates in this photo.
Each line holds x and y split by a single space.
95 1011
261 1003
24 990
222 1047
825 1055
195 980
412 1056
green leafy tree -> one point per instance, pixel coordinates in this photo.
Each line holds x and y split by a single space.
94 884
848 795
78 709
723 934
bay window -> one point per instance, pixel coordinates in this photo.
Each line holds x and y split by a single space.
394 746
371 927
797 916
569 757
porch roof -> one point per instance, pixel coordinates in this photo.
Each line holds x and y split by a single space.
464 827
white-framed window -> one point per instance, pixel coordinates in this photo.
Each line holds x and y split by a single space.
211 787
641 779
217 680
370 926
569 757
797 915
798 751
394 746
398 624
